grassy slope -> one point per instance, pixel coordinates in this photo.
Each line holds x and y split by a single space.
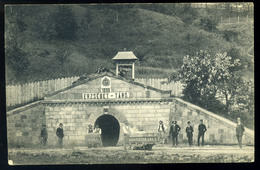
244 42
160 41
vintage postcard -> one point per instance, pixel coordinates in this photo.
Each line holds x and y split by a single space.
130 83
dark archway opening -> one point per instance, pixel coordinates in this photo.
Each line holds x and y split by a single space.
110 129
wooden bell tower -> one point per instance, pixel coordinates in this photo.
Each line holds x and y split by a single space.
125 59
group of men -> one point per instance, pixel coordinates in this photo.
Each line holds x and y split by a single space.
59 133
173 133
175 129
97 129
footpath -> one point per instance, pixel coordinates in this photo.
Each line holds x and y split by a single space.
117 155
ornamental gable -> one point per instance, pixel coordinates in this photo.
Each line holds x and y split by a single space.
107 88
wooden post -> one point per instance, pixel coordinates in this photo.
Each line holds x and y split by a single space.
133 70
247 18
116 16
116 69
238 19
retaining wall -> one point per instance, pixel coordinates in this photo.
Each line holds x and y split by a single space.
24 124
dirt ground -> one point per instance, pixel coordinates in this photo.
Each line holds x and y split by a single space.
117 155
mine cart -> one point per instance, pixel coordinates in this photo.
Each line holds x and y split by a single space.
93 140
142 141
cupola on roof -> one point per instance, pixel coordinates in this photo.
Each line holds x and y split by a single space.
125 55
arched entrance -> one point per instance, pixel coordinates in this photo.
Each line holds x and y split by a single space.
110 129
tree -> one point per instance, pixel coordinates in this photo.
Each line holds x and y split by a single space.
209 22
206 76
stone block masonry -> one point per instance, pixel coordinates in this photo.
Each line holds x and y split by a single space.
117 85
143 115
143 108
219 130
24 125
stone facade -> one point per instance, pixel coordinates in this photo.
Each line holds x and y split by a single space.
77 117
142 108
24 125
135 90
219 130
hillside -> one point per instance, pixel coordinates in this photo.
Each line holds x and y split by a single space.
44 42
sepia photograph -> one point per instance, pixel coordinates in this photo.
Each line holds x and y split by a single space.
129 83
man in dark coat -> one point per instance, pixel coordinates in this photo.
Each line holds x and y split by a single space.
239 132
44 135
90 129
174 131
189 131
60 134
202 129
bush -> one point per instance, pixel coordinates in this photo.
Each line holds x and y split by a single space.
208 23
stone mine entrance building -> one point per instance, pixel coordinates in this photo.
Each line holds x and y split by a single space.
106 99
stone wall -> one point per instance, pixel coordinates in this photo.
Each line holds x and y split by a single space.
219 129
24 125
77 117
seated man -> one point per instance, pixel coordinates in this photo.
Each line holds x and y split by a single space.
90 130
97 130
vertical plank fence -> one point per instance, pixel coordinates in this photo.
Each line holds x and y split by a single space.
163 84
25 93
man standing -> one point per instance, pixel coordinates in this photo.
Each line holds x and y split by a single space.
60 134
239 132
127 130
189 131
44 135
98 130
161 130
174 131
202 129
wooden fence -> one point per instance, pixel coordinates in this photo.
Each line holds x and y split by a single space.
17 95
163 84
238 19
26 93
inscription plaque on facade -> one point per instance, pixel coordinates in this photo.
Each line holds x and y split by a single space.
116 95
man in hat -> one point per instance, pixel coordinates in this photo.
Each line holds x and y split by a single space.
239 132
174 131
44 135
189 131
202 129
161 130
60 134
